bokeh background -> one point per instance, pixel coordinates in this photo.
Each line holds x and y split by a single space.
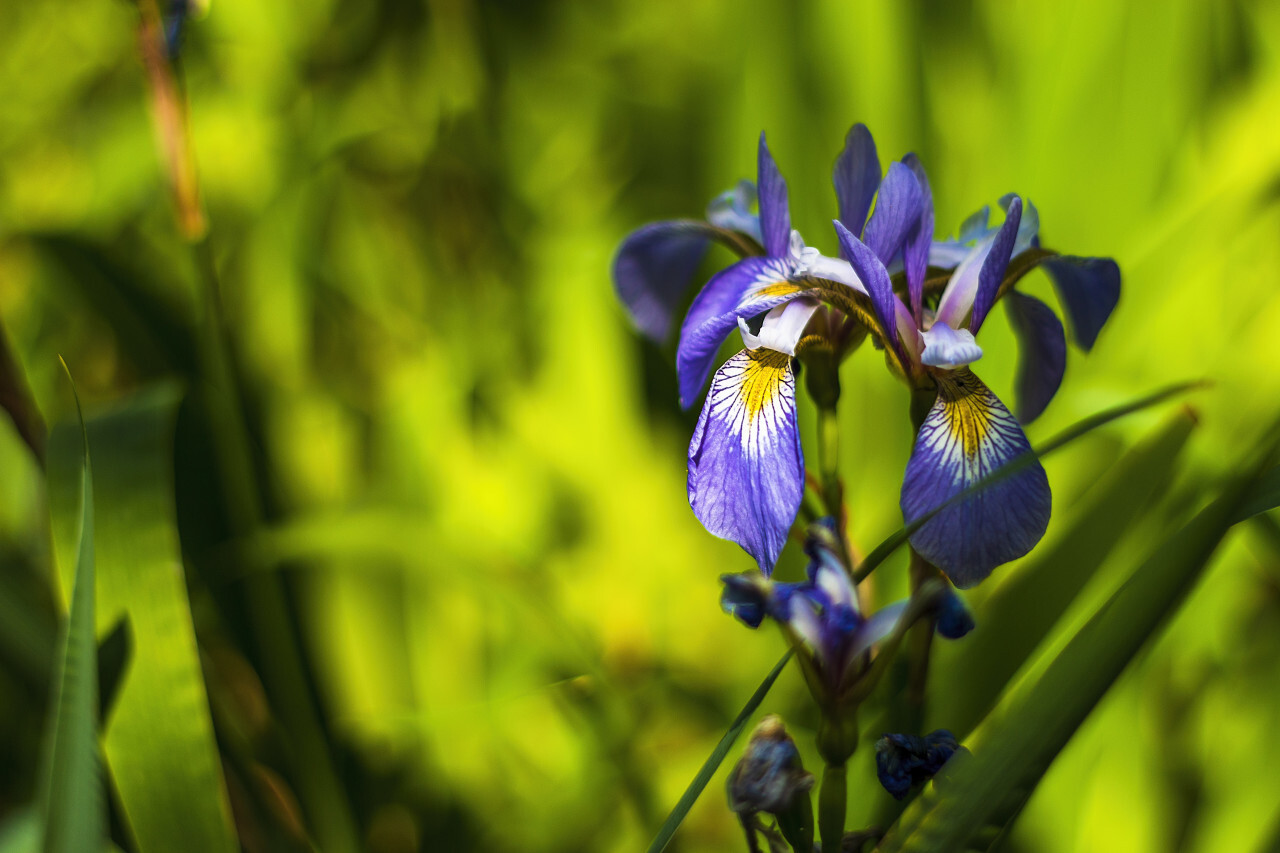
474 466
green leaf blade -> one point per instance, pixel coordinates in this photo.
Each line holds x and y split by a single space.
159 739
72 810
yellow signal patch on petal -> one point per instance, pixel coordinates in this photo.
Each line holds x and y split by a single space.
778 288
762 377
968 410
753 396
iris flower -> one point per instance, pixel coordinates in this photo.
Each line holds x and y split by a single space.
746 467
968 432
821 614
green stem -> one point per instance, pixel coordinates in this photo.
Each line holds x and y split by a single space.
829 461
832 800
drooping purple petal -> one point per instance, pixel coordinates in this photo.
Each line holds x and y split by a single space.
1042 353
993 267
967 435
749 287
1089 289
856 176
915 251
897 211
875 278
654 268
775 215
746 468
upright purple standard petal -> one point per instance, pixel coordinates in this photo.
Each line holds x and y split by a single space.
1042 353
775 215
996 262
856 176
959 297
966 436
1089 289
915 252
749 287
897 212
746 468
875 278
654 268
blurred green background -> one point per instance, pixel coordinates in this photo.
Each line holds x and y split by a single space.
475 468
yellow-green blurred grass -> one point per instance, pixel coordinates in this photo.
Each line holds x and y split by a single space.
506 594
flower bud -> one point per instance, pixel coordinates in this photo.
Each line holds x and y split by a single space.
954 618
904 761
769 777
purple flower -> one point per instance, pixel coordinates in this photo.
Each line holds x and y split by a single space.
746 467
820 613
968 433
904 761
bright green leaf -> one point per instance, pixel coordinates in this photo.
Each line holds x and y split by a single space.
72 814
159 738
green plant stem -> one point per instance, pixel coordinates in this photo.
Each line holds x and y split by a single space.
919 644
829 461
278 646
832 801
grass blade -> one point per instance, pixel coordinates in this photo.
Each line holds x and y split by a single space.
714 760
72 811
159 740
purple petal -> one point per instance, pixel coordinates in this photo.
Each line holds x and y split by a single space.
915 252
948 347
993 267
875 278
775 215
877 627
654 268
966 436
746 468
1089 289
1028 228
856 176
975 226
1042 353
749 287
897 212
948 254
